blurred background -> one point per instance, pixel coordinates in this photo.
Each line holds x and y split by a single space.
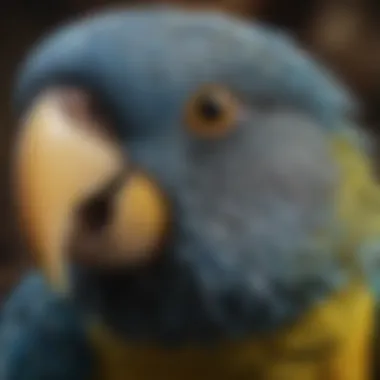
344 34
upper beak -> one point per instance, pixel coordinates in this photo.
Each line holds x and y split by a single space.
63 159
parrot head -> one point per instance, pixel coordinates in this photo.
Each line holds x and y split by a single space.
175 172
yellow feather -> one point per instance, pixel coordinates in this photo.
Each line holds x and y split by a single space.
358 198
330 342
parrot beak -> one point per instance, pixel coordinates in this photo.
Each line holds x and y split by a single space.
64 158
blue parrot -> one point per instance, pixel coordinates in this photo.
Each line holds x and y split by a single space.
200 204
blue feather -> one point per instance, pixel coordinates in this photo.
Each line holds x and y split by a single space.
41 337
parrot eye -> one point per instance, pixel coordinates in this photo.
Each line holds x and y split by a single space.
212 112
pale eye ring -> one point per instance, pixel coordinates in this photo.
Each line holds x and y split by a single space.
212 112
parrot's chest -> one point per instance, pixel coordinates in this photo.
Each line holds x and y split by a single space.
333 341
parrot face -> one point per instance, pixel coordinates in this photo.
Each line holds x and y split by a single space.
221 134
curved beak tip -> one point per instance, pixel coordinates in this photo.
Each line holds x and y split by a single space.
59 161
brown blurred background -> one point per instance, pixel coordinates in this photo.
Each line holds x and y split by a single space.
343 33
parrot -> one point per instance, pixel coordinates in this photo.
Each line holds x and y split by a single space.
200 203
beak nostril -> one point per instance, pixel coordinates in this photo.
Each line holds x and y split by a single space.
75 104
83 109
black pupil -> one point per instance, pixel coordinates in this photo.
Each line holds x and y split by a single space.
210 108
